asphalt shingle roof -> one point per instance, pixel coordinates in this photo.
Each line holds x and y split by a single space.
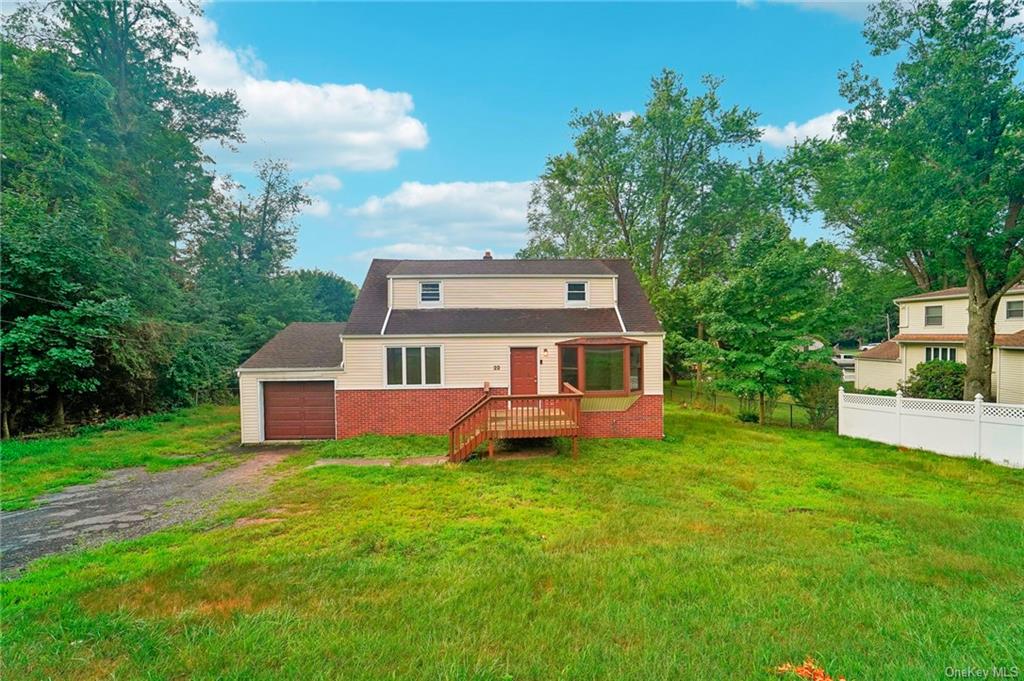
489 320
439 268
954 292
889 350
371 306
301 345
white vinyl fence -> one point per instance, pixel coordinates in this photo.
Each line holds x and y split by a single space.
984 430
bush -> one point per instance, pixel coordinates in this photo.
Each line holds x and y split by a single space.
817 390
874 391
936 380
748 417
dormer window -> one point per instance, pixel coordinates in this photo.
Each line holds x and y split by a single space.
576 293
430 294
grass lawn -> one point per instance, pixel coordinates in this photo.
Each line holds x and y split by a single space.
720 553
382 447
33 467
785 413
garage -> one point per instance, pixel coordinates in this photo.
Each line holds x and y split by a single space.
298 410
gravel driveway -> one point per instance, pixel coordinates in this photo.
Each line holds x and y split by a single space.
128 503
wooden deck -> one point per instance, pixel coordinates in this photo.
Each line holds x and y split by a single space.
502 417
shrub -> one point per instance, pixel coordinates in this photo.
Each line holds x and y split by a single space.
748 416
936 380
874 391
817 390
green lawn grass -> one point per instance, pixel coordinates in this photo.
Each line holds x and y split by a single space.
785 412
35 466
382 447
719 553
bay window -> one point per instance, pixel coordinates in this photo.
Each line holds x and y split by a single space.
601 366
413 365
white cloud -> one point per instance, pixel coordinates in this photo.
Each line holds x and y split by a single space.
820 126
326 125
626 116
323 182
448 213
319 207
856 10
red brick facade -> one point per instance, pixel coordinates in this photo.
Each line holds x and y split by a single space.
431 411
644 419
427 411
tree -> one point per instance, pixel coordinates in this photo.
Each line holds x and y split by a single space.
928 174
630 186
333 296
109 306
769 313
653 189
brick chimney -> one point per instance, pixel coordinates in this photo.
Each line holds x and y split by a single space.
488 256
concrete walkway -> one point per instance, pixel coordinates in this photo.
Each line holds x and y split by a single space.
129 502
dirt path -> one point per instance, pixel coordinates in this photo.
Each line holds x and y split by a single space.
128 503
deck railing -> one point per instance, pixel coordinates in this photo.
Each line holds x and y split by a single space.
515 416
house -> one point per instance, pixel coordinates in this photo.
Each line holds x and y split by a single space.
476 349
934 326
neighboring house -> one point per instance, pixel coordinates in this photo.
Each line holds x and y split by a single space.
934 326
429 341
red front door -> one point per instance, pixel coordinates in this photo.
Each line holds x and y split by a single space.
523 365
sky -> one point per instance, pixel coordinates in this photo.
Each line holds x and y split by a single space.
418 128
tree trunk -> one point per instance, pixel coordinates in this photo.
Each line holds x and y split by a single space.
981 330
57 409
6 428
762 416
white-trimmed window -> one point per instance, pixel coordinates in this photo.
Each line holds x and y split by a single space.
944 354
1015 309
430 294
413 365
933 315
576 293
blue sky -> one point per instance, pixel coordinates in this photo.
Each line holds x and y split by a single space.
420 126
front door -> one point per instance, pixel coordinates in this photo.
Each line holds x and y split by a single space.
523 364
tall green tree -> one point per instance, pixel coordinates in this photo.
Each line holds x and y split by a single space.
658 188
108 306
769 314
928 173
630 185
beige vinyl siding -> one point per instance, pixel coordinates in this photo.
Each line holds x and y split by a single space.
914 354
503 293
954 316
877 374
250 403
1004 325
469 362
1011 377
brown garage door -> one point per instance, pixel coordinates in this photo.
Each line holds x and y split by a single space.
298 410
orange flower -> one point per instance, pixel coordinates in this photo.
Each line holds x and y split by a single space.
808 670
